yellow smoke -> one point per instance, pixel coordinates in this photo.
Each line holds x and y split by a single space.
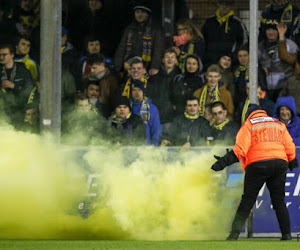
143 193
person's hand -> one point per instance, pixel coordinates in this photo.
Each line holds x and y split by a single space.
185 147
282 28
153 72
165 143
6 84
219 164
293 164
267 71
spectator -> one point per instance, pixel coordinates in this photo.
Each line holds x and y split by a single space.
136 71
16 83
143 107
189 128
159 87
22 55
280 10
8 30
225 64
189 40
208 113
108 82
68 52
277 71
31 121
141 38
127 128
285 111
283 54
291 87
92 91
185 84
223 130
213 91
223 33
264 102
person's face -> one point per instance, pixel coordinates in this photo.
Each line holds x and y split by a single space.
5 56
97 68
137 70
95 4
243 57
224 8
225 62
141 16
181 29
219 114
170 60
208 115
192 65
23 47
192 107
285 113
83 106
272 35
64 39
137 94
26 5
93 91
122 111
93 47
213 79
31 116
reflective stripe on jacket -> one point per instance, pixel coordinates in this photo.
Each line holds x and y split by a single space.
262 137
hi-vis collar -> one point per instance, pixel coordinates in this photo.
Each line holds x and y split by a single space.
261 119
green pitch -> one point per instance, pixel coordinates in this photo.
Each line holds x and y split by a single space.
242 244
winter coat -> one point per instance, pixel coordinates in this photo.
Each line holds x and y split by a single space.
226 135
294 126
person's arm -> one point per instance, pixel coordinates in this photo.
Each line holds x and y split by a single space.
119 55
155 128
158 48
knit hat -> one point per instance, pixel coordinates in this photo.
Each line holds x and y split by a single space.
271 24
64 31
138 84
252 107
143 5
123 100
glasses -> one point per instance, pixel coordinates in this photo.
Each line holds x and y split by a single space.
5 54
217 113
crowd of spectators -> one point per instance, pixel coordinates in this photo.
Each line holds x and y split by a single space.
127 84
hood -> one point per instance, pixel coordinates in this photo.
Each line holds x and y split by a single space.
287 101
199 63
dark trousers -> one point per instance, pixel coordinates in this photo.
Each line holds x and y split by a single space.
273 173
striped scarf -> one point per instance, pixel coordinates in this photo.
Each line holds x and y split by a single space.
224 19
119 121
221 126
183 55
127 89
214 97
145 110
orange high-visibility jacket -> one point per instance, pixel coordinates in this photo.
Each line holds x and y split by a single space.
262 137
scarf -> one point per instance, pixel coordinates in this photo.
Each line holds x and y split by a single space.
224 19
221 126
99 76
238 71
127 88
214 97
183 55
145 110
147 44
191 117
119 121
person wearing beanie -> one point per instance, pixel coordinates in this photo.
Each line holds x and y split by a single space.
126 128
223 33
143 107
267 150
141 38
283 12
276 70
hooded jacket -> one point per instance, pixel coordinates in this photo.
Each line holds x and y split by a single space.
261 138
294 125
185 84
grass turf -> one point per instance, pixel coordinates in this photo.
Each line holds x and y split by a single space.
243 244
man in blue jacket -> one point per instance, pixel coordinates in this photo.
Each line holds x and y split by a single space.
285 111
143 107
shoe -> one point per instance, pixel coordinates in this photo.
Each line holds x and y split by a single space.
286 237
233 236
